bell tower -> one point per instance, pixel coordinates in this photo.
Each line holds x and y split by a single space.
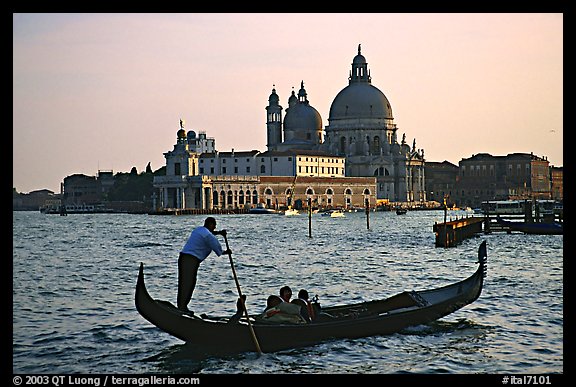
273 121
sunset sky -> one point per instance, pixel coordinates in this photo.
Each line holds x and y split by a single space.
107 91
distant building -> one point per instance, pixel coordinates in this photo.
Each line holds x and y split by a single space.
293 162
34 200
80 189
230 180
441 179
557 183
514 176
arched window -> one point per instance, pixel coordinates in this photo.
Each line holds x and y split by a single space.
368 143
329 191
342 146
376 145
255 197
215 198
268 191
222 199
348 191
262 168
230 199
241 197
309 191
366 191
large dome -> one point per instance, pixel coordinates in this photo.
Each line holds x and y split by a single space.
359 104
360 100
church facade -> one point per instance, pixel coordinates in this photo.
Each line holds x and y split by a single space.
360 128
357 153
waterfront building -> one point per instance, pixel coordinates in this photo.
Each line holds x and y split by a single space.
514 176
34 200
292 162
79 189
557 183
441 179
230 180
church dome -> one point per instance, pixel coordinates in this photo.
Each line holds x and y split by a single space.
359 59
273 99
360 100
302 116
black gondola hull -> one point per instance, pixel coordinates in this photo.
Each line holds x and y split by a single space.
381 317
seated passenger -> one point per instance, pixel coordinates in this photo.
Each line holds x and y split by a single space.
272 301
303 308
280 312
303 299
285 293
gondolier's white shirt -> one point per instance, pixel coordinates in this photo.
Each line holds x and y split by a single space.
201 243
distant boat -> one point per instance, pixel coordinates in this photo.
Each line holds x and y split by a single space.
542 228
334 213
260 209
291 212
401 211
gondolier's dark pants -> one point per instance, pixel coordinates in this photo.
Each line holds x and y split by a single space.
187 272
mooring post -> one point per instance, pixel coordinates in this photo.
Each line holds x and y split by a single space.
309 217
367 213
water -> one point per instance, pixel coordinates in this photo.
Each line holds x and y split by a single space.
74 279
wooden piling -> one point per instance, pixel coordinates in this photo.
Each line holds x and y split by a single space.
309 217
367 201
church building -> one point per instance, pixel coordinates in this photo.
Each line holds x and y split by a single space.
360 128
358 155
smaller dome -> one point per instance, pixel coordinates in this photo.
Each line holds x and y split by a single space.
273 99
181 133
359 59
191 134
293 99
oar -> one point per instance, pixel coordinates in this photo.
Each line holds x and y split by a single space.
241 298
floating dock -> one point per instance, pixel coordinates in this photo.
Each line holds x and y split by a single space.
452 233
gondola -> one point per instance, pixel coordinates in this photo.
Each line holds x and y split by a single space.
378 317
540 228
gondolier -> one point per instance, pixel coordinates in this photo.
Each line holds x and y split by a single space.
200 244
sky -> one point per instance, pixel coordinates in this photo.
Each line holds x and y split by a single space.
107 91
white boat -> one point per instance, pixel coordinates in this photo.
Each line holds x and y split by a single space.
337 214
334 213
291 212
